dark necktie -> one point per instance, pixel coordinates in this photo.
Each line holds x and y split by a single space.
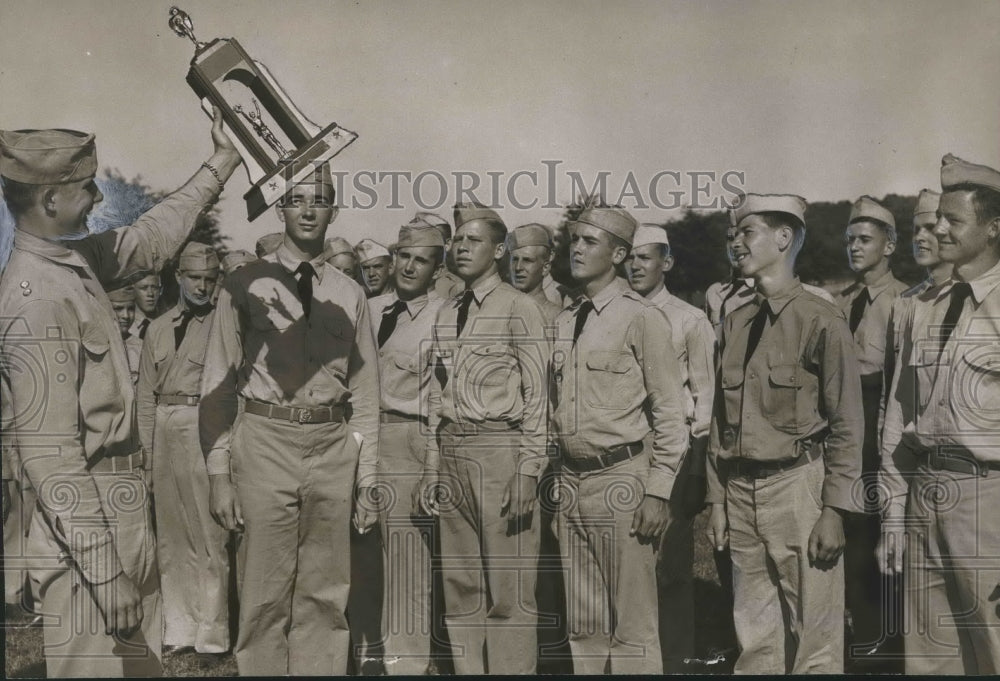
186 316
463 310
305 273
389 317
143 325
581 317
756 330
959 292
858 309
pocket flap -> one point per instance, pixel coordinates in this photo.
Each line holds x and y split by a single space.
94 340
732 379
787 375
491 350
615 362
985 359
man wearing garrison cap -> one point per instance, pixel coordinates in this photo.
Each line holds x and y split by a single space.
487 407
339 253
291 337
530 256
96 562
402 321
694 342
376 267
123 303
785 450
191 547
940 464
448 284
867 304
618 425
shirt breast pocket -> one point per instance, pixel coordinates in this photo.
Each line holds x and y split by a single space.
339 342
611 380
788 399
402 380
491 365
975 389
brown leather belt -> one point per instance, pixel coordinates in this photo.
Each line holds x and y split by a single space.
470 428
750 468
295 414
118 464
602 461
956 463
396 417
185 400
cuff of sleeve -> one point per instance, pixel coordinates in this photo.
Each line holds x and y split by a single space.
840 499
98 561
217 462
659 484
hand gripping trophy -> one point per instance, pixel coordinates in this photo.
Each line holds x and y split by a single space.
279 145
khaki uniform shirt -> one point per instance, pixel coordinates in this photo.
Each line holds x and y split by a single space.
694 341
870 336
550 310
802 380
448 285
263 348
67 396
554 291
494 371
719 302
165 370
406 355
619 382
949 400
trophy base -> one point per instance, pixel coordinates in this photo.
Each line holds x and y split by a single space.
299 166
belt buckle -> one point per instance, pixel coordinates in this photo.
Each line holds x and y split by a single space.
305 415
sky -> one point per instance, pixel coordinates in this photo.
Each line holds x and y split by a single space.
829 100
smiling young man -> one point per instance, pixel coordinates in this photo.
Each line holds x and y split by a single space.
487 407
91 539
530 258
785 451
291 336
123 303
867 305
694 342
376 267
940 464
402 321
191 547
618 423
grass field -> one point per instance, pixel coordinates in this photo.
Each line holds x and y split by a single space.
713 631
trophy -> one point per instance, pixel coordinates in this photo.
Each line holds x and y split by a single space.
279 145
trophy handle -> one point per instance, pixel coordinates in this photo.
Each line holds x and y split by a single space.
254 171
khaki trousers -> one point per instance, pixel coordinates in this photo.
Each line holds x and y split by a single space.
190 545
407 538
610 577
74 640
952 574
295 483
488 563
789 614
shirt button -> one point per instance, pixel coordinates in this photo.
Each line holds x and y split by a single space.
752 375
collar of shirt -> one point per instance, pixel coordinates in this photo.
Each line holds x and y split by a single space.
607 294
779 300
484 289
874 289
982 285
286 259
181 307
413 306
50 250
662 297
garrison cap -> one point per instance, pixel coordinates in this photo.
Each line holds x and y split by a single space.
197 256
369 249
927 202
415 234
617 221
867 208
532 234
236 259
467 212
752 204
122 294
650 234
956 172
47 156
336 246
433 220
269 243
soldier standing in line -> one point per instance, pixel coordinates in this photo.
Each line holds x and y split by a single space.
291 336
123 303
785 452
940 466
191 547
402 321
339 253
376 267
147 289
448 284
694 342
487 407
618 421
867 304
530 253
96 554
